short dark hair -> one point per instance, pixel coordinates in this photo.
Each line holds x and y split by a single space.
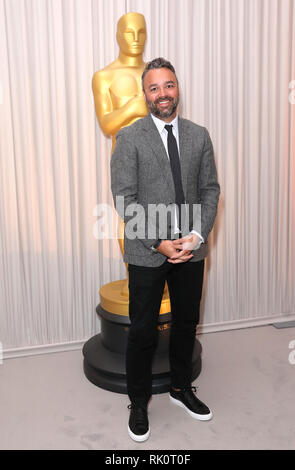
157 63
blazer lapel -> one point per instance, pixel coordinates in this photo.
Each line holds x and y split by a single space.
185 151
155 142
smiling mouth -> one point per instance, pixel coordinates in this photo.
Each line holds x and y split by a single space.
163 101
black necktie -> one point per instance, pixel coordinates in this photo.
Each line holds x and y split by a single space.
176 170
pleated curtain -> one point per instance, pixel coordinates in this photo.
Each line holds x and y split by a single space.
235 60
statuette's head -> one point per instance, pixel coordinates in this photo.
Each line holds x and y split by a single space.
131 34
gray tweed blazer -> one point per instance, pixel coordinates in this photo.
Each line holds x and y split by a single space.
142 181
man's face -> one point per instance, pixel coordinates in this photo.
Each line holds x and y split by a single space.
161 93
131 35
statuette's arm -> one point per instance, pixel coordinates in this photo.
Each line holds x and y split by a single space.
111 120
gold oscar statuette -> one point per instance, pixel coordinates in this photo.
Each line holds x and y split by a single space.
119 101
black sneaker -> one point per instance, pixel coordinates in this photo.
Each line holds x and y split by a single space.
188 400
138 426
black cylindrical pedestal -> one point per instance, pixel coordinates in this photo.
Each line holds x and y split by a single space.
104 354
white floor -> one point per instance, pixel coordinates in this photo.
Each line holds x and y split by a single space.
247 379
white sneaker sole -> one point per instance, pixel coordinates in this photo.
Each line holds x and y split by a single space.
191 413
137 438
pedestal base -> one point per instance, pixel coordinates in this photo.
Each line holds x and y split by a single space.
106 369
104 354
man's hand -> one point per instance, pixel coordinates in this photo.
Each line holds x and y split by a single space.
189 242
184 247
180 250
174 252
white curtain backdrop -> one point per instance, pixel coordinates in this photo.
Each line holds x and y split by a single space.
234 60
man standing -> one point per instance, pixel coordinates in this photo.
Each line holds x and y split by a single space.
164 159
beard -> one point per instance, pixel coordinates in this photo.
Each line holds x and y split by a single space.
163 113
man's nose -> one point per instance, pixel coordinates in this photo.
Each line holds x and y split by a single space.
162 94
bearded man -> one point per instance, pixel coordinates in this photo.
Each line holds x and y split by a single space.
164 160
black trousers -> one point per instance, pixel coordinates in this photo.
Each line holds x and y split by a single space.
146 286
